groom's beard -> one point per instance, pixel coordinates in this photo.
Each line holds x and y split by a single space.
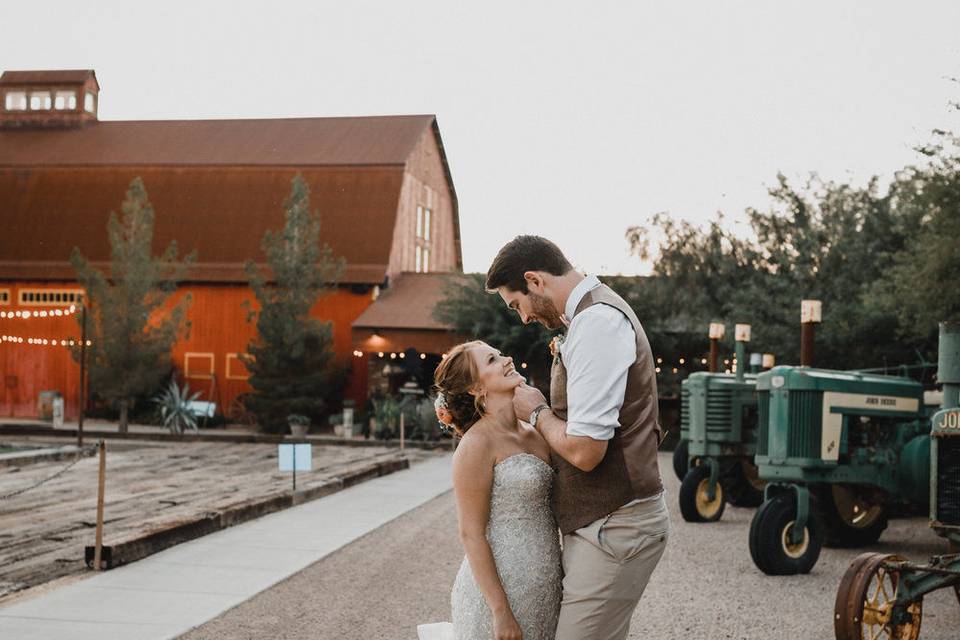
545 312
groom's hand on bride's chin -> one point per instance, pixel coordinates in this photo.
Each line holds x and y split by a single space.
526 399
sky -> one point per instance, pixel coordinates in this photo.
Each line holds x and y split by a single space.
570 120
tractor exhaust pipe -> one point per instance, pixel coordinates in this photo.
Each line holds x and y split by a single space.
717 331
810 314
948 364
741 334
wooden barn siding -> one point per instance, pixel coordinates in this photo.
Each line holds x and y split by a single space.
424 182
218 327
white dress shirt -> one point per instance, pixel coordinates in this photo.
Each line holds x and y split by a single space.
599 348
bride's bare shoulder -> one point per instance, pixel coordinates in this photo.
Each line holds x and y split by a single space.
474 447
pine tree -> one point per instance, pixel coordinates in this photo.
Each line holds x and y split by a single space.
131 330
292 363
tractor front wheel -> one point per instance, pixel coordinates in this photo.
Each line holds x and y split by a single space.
681 462
771 544
864 604
695 503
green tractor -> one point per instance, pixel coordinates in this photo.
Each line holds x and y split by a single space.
881 595
839 450
718 418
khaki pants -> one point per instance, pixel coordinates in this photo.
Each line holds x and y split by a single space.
606 566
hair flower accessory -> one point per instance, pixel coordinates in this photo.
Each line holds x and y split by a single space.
443 412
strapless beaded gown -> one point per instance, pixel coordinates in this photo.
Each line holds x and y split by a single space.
525 542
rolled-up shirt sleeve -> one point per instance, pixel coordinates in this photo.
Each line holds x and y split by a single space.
599 349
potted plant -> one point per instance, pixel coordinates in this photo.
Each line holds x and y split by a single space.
176 410
298 424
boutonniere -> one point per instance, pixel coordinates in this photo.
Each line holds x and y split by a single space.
555 345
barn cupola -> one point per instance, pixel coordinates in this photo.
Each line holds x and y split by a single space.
48 99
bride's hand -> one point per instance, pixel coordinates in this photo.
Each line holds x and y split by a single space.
505 627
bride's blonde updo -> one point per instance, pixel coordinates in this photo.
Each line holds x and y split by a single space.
455 378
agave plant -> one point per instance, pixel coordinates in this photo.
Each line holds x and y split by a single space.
175 410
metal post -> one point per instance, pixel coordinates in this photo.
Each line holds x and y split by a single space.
294 467
83 369
402 431
98 548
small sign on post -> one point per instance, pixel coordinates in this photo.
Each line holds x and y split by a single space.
295 457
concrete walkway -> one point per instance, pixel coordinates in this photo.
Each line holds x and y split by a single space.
178 589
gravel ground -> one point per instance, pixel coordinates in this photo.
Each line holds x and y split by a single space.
706 586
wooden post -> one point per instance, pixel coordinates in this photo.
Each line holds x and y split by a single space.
103 471
402 431
717 331
83 369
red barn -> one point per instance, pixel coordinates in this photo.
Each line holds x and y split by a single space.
382 186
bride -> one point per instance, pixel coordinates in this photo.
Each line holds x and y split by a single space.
509 585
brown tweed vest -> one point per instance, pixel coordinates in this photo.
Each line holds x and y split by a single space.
629 469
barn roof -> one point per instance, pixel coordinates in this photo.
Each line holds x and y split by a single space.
381 140
65 76
206 179
408 303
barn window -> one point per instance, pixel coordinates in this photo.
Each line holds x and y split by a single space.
40 101
4 296
15 101
198 365
89 103
65 101
422 251
236 369
49 297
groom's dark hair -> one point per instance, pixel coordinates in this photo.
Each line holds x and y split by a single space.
522 254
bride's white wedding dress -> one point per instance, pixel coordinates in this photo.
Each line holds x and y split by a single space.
526 548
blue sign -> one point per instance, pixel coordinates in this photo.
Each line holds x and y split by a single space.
295 454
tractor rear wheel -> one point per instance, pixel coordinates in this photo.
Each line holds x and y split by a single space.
741 483
850 518
770 532
695 504
864 604
681 463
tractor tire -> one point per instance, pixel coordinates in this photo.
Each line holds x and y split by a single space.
741 486
771 550
681 463
695 506
848 522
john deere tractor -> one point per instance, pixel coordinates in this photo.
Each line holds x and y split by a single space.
718 418
881 595
838 450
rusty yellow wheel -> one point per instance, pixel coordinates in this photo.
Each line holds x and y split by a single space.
864 606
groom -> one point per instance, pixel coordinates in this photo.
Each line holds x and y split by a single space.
602 426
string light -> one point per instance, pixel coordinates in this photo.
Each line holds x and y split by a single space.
402 356
658 369
380 354
393 356
674 369
31 314
659 360
523 365
682 360
703 361
423 356
43 342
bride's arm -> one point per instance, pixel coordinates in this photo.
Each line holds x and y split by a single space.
472 482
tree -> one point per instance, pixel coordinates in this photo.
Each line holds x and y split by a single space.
131 328
914 289
292 362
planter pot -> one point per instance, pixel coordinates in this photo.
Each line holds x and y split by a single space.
298 430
